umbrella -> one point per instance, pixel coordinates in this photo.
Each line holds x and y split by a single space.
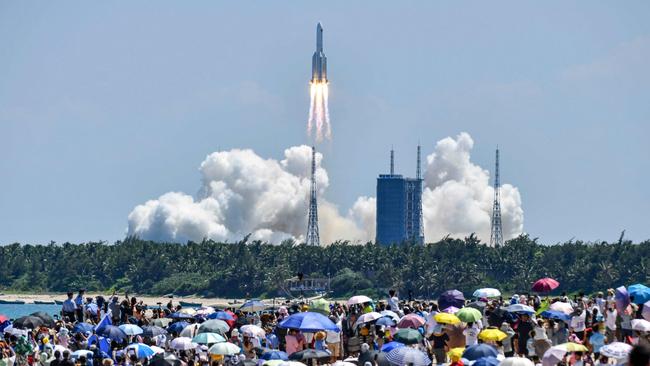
157 349
221 315
48 321
28 322
15 331
386 321
251 330
498 316
486 361
188 311
112 332
320 306
641 325
621 298
177 327
561 306
646 311
367 317
451 298
545 285
572 347
153 331
520 308
553 356
131 329
344 363
141 350
486 292
182 344
359 299
253 306
469 315
450 310
444 318
224 348
214 326
308 322
478 305
82 352
205 311
390 314
492 334
517 361
480 350
407 356
179 315
309 354
411 321
208 338
558 315
82 328
3 318
190 331
161 322
641 293
408 336
391 346
275 355
618 350
162 360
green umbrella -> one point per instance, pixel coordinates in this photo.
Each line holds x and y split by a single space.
408 336
469 315
214 326
320 306
208 338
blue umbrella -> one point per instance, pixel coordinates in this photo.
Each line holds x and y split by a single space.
477 351
141 350
487 361
558 315
113 332
82 328
309 322
221 315
178 315
177 327
386 321
81 352
275 355
451 298
153 331
641 293
391 346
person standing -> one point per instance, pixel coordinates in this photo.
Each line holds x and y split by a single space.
610 322
393 301
79 303
524 328
68 309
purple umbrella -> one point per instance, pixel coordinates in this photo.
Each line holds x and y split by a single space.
622 299
451 298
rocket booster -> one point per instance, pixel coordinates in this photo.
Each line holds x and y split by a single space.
319 61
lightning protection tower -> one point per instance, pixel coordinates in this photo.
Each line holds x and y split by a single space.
313 237
496 235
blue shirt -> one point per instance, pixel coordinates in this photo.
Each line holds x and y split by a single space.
79 301
69 306
597 340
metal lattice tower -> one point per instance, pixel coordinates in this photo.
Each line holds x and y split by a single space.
496 235
313 238
418 175
392 161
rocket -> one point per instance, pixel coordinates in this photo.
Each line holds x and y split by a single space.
319 61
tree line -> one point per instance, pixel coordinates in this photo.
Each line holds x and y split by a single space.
257 269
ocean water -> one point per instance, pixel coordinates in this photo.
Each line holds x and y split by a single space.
13 311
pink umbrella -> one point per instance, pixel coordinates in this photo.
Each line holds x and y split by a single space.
622 299
411 321
545 285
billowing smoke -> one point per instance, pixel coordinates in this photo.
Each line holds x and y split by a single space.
318 124
243 193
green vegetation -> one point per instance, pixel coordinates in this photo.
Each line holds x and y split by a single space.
257 269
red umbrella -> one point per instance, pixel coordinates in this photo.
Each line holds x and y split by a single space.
3 318
545 285
411 321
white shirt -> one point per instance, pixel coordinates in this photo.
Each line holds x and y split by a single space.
471 335
578 322
610 319
393 303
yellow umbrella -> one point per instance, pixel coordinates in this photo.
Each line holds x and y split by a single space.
446 318
456 354
492 334
573 347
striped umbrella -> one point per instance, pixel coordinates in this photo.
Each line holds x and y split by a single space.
407 356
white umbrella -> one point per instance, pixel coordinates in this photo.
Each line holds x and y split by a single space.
131 329
251 330
188 311
182 344
618 350
520 308
344 363
516 361
190 330
553 356
486 292
646 311
391 314
224 348
15 331
359 299
60 348
206 310
157 349
563 307
368 317
641 325
407 356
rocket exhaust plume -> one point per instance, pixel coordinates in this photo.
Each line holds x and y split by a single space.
319 117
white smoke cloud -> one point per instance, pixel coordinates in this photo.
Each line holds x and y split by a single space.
243 193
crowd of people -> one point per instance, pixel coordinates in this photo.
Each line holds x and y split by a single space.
609 327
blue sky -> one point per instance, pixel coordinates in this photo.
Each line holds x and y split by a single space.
104 105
